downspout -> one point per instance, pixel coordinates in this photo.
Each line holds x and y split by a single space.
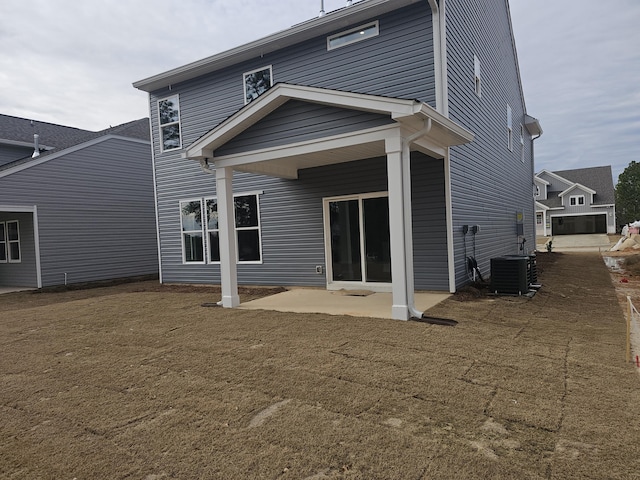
440 56
408 215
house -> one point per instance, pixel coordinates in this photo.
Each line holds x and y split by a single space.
75 206
575 201
380 146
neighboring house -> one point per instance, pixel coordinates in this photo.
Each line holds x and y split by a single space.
377 146
75 206
575 201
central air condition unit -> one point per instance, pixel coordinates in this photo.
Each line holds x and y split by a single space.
510 275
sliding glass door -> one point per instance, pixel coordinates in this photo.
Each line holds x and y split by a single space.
358 238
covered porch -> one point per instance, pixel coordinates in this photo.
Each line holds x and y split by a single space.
381 127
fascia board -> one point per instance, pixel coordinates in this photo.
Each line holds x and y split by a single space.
16 143
324 25
541 180
574 186
556 176
540 206
281 93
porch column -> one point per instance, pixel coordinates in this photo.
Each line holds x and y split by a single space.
397 231
227 237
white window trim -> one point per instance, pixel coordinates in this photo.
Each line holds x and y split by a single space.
376 32
522 143
337 285
8 242
182 232
206 230
178 122
509 129
477 78
3 244
577 200
244 80
258 228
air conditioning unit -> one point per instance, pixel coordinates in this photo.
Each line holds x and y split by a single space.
511 274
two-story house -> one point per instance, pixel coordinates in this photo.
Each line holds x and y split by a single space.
76 206
378 146
579 201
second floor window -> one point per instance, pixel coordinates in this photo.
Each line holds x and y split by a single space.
476 76
169 118
509 129
576 200
257 82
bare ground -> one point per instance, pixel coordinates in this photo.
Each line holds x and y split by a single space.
140 381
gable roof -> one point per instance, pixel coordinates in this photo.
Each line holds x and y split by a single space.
597 179
279 160
342 18
57 138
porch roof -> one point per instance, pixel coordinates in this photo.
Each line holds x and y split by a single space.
437 132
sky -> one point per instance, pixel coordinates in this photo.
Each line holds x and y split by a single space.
72 62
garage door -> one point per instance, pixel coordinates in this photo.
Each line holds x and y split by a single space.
578 225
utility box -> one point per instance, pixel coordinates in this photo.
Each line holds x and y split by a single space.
510 275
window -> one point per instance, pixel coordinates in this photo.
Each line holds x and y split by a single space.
247 227
3 243
575 200
10 242
476 75
522 143
191 226
169 114
509 130
256 83
538 219
354 35
213 239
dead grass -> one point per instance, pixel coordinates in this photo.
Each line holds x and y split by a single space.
140 381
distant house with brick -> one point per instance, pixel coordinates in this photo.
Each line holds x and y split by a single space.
75 205
570 202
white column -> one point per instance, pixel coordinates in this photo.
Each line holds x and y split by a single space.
400 307
227 236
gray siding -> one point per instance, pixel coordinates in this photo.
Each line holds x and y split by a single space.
397 63
292 223
489 183
10 153
298 121
95 211
555 185
22 274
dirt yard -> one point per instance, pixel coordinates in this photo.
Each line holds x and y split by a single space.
141 381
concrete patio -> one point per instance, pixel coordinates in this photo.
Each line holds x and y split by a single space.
358 304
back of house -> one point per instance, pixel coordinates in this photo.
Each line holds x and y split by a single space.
377 146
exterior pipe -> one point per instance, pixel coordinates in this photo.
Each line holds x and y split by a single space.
408 211
204 165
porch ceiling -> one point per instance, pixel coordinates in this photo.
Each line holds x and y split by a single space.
285 161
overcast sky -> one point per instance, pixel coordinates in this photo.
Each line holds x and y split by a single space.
72 62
